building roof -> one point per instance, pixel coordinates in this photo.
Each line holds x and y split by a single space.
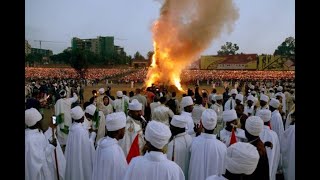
239 59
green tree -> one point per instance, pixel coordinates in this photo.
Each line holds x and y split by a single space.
138 56
287 48
33 57
79 61
228 49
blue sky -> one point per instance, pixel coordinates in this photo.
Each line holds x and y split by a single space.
261 27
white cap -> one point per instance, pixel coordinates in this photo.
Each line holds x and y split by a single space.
278 94
233 91
178 121
186 101
157 133
196 114
209 119
32 116
101 90
280 88
264 98
251 98
77 113
254 125
242 158
63 93
239 97
218 97
264 114
119 94
116 121
91 109
262 90
274 103
253 92
229 115
135 105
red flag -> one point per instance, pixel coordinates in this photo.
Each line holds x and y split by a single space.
269 124
233 138
134 149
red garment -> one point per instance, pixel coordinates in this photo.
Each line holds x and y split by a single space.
134 149
233 138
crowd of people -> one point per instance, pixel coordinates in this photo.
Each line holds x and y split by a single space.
245 133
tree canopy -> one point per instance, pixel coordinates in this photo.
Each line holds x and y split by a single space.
80 62
287 48
228 49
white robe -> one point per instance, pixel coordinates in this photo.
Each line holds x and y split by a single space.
215 177
288 153
133 127
153 165
277 124
106 109
153 105
225 136
79 153
220 123
120 105
227 104
190 125
38 153
102 126
273 154
288 119
207 157
60 157
63 108
109 161
182 143
163 114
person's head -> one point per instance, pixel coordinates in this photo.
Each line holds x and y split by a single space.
187 104
274 104
124 93
198 100
63 94
174 94
89 111
264 99
214 91
119 94
163 100
253 127
279 89
135 109
209 120
239 98
131 94
233 93
115 125
230 117
33 119
178 125
94 92
157 135
239 110
101 91
250 100
105 100
219 99
241 159
278 96
265 115
138 91
85 104
77 114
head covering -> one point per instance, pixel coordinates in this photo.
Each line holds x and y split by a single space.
233 91
251 86
280 88
32 116
253 92
278 94
274 103
262 90
254 125
135 105
264 98
264 114
91 109
119 94
242 158
239 97
63 93
157 133
209 119
186 101
160 114
229 115
77 113
178 121
196 114
271 89
218 97
251 98
116 121
101 90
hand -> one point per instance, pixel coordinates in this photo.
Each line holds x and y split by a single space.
53 142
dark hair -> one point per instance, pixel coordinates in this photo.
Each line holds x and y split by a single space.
163 99
91 100
131 93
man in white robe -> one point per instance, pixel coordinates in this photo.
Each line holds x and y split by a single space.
109 161
276 122
231 102
249 108
38 150
218 108
62 111
133 128
154 164
120 104
196 113
242 159
79 151
186 109
230 117
162 113
179 146
98 121
288 152
268 135
207 152
264 99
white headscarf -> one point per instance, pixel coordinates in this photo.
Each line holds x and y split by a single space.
135 105
115 121
178 121
157 133
209 119
254 125
264 114
91 109
186 101
274 103
229 115
77 113
32 116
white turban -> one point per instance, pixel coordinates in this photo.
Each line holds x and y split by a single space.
242 158
271 89
101 90
63 93
262 90
32 116
209 119
264 98
160 114
278 94
274 103
90 109
229 115
253 92
239 97
196 114
77 113
186 101
116 121
233 91
178 121
254 125
251 98
135 105
157 133
119 94
251 86
264 114
280 88
218 97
